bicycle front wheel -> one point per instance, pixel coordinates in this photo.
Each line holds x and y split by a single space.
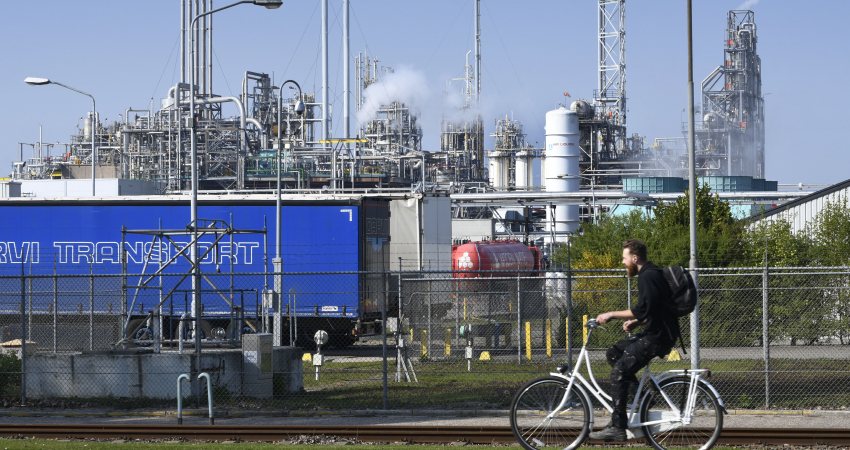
706 421
544 415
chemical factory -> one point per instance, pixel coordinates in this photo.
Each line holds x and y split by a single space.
276 160
185 194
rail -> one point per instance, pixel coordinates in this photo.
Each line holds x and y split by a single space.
412 434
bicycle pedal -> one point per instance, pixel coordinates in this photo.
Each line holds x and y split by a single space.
563 370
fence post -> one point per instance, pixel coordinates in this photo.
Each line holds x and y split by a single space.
518 323
55 308
24 333
91 307
430 287
385 388
765 336
567 337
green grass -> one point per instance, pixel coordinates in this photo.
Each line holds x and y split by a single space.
490 385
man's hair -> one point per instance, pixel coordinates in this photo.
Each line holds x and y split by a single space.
636 247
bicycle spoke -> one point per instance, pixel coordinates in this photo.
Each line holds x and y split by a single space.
535 423
706 421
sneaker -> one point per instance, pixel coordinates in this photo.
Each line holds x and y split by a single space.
609 434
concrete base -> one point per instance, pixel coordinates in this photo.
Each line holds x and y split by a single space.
154 375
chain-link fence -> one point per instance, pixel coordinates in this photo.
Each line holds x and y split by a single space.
773 337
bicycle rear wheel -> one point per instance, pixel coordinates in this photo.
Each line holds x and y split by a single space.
535 421
706 422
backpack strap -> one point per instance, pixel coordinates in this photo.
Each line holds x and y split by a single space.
681 341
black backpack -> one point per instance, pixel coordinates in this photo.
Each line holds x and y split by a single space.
683 290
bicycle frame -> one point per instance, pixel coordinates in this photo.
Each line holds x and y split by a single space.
667 421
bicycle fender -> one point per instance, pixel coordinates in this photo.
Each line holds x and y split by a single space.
667 375
711 388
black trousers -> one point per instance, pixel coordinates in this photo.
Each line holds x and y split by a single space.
627 357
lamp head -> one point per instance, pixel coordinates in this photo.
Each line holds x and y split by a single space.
269 4
36 81
299 107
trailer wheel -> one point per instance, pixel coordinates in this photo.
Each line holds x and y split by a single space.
206 330
249 326
139 333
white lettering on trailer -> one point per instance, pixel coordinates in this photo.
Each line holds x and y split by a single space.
77 252
350 213
19 252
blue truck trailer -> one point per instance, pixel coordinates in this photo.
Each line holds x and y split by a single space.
135 251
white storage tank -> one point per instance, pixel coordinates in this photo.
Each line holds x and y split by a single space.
561 169
524 167
499 170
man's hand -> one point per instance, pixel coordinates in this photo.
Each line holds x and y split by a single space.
629 325
604 317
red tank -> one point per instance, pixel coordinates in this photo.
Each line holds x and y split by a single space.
495 258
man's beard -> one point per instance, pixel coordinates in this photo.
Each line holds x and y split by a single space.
631 270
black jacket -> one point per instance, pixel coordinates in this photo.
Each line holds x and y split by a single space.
653 308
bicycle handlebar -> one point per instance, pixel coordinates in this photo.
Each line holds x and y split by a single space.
592 323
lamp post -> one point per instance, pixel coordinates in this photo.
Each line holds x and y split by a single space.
193 206
692 187
277 262
35 81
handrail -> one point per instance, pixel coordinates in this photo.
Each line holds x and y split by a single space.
209 395
181 377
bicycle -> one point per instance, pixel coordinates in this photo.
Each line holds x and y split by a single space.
676 408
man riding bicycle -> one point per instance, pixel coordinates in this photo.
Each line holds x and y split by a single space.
629 355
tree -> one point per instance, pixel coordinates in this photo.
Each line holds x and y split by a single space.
795 306
830 235
665 230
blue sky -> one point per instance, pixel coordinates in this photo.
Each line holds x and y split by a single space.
127 55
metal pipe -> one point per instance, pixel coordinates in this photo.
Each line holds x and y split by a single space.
346 84
325 70
209 395
180 330
209 52
202 50
264 138
243 119
182 42
181 377
477 50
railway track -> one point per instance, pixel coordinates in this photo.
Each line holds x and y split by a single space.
417 434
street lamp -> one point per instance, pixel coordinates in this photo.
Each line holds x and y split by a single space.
36 81
196 273
278 261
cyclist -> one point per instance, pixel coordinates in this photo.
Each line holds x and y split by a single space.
633 353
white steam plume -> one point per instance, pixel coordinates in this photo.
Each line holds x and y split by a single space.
404 85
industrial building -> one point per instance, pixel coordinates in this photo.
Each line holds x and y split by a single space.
276 136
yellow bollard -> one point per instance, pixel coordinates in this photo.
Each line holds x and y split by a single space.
584 329
448 349
548 338
528 341
424 343
567 334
